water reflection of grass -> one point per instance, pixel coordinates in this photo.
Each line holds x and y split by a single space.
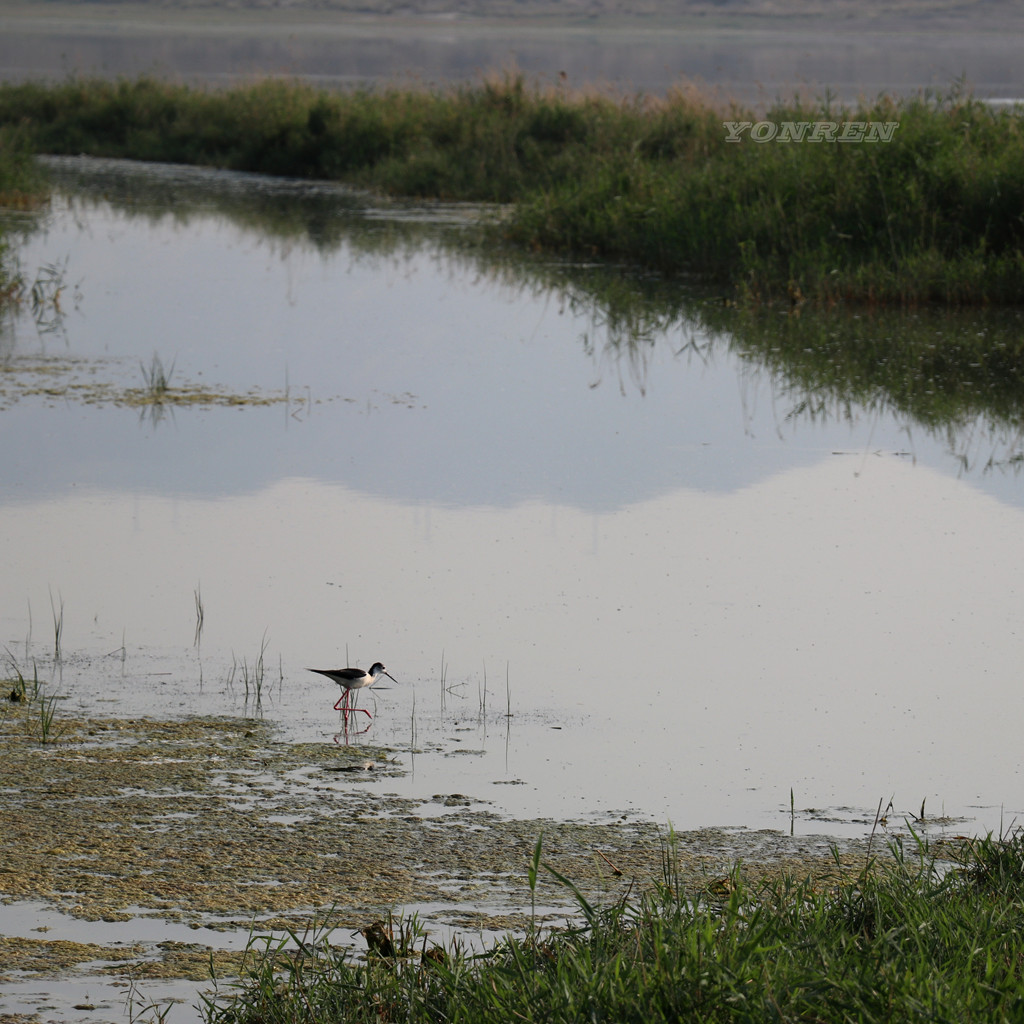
957 374
960 376
930 216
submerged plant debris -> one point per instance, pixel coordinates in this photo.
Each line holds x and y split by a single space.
213 822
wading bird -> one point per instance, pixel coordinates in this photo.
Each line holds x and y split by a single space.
350 679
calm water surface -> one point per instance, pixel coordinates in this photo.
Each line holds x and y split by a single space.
611 578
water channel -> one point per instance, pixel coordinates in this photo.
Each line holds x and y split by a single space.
630 553
695 579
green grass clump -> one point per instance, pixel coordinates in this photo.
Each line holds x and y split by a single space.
907 940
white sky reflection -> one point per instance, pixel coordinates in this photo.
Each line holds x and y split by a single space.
843 629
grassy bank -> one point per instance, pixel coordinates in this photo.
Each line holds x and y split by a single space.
22 182
936 215
905 942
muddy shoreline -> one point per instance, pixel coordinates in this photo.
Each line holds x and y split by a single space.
214 823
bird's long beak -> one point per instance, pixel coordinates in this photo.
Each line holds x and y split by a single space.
390 676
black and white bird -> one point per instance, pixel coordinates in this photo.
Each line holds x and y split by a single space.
350 679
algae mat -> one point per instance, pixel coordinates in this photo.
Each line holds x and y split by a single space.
215 822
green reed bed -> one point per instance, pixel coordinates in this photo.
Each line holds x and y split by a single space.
908 940
933 214
494 142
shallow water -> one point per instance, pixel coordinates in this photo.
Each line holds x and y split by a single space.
612 579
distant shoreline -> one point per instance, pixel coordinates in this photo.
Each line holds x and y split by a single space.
734 50
925 16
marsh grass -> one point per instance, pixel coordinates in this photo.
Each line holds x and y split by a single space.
23 183
41 710
42 296
909 939
57 611
22 690
933 216
44 729
136 1005
157 379
254 676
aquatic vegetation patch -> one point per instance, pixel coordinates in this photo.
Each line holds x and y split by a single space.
90 382
45 956
214 822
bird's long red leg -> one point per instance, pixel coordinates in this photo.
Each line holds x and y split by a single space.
364 711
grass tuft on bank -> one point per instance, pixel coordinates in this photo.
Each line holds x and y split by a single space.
933 215
906 940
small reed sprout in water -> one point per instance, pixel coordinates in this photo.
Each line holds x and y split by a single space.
253 679
482 693
531 878
21 691
45 721
200 616
39 723
156 378
135 1011
58 623
412 728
